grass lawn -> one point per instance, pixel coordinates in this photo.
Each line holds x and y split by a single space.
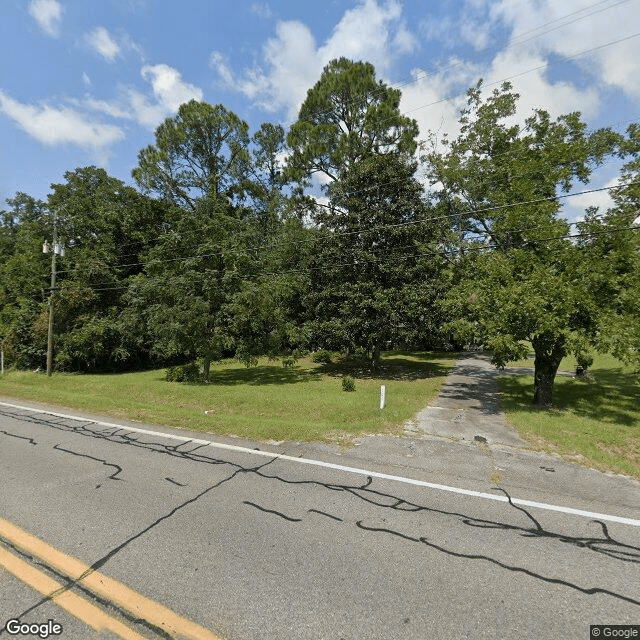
593 421
267 402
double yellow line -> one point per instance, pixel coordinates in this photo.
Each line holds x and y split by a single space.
115 592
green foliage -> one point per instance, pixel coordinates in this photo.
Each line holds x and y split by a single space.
184 373
24 272
201 153
237 258
348 116
368 286
348 384
374 277
517 275
322 356
105 227
611 268
585 360
96 344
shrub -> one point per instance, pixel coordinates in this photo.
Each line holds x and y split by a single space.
348 384
288 362
322 356
584 360
184 373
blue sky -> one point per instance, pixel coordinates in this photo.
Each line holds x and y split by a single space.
85 82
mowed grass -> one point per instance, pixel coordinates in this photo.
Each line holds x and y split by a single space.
267 402
593 421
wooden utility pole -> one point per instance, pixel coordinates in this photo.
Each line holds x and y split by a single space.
54 252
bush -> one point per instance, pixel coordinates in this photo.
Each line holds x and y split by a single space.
184 373
348 384
288 362
322 356
584 360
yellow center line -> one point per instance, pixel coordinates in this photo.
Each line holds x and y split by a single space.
119 594
70 602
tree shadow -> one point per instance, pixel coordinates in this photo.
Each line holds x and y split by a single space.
611 395
393 366
263 375
399 366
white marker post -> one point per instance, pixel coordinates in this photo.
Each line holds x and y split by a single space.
383 396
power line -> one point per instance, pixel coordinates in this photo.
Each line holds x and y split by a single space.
470 213
512 44
461 214
476 247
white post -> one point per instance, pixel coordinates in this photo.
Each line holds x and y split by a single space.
383 394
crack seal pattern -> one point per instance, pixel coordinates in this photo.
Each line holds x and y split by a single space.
605 544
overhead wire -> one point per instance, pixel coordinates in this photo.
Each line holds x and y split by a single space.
470 213
467 248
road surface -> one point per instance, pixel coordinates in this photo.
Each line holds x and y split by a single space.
396 538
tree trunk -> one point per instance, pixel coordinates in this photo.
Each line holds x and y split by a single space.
549 352
375 355
205 368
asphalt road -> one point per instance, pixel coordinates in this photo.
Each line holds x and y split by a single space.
411 537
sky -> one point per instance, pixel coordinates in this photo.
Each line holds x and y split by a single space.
86 82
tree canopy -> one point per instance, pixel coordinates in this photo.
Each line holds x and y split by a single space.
269 243
500 184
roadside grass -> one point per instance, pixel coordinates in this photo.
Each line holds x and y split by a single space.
267 402
593 421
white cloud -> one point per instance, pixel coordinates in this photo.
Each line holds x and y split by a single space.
371 31
576 205
528 73
86 79
524 62
543 34
144 111
103 43
368 32
569 27
168 87
48 14
169 92
53 126
110 108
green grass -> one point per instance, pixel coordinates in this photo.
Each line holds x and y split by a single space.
267 402
593 421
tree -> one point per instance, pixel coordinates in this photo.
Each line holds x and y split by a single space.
199 153
350 132
372 257
611 245
105 226
346 117
200 163
24 275
188 275
517 266
268 182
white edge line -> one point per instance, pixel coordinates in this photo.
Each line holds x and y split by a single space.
339 467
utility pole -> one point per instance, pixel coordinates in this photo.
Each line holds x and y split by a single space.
56 250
